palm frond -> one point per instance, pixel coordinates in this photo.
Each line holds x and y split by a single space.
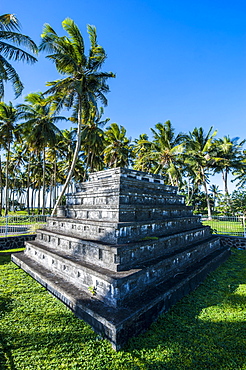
9 22
76 37
19 39
12 76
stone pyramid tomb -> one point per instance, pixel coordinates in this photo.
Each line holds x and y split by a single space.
121 252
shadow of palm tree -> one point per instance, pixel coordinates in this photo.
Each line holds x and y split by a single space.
6 360
5 258
203 330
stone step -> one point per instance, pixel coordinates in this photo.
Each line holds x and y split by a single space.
121 232
119 324
115 288
131 196
125 213
121 256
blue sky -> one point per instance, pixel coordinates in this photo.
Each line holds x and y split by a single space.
183 61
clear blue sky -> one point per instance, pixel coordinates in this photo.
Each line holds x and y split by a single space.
183 61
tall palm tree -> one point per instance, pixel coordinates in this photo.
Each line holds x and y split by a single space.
216 193
166 150
8 119
55 153
16 165
229 157
93 141
83 83
67 146
117 152
9 27
200 156
39 128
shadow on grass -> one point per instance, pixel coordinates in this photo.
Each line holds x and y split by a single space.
5 258
202 331
6 359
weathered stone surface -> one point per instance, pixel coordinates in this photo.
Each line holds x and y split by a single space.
18 241
123 249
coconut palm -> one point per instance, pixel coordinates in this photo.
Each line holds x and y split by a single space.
142 154
166 150
8 121
93 142
117 152
216 193
39 128
201 157
9 27
84 84
229 157
17 162
55 153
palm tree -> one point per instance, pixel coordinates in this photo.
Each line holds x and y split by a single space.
200 156
117 152
92 137
39 128
166 150
240 174
229 157
142 154
8 118
16 165
9 24
216 193
83 84
67 146
54 154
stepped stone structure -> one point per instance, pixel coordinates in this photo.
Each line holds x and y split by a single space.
122 251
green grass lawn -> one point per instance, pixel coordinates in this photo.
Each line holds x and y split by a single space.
206 330
225 227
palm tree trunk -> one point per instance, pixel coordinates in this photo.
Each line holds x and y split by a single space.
39 191
43 205
32 199
225 180
75 157
54 185
7 182
87 164
51 192
28 188
207 195
1 187
171 179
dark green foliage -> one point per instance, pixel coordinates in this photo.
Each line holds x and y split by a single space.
206 330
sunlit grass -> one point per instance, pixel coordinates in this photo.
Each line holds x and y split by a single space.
206 330
225 227
12 250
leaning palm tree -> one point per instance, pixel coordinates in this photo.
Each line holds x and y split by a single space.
9 31
83 84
